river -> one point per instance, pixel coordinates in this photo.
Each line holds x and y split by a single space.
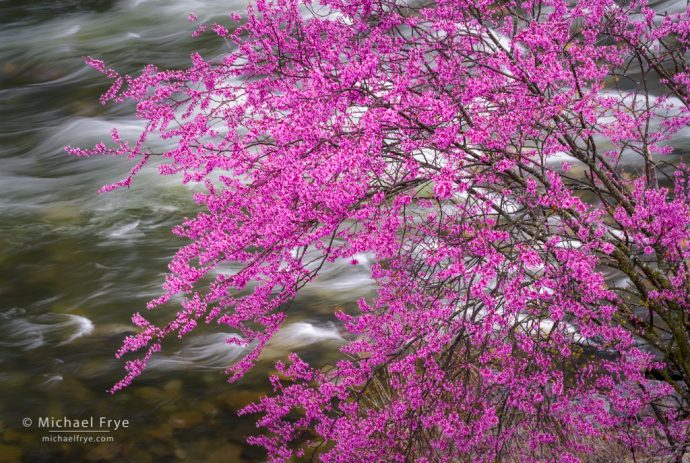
75 264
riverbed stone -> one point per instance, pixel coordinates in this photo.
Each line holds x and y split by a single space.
160 449
226 454
11 436
173 387
60 214
103 452
139 455
9 453
209 409
239 399
162 431
186 419
149 393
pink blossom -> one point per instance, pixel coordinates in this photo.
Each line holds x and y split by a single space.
523 311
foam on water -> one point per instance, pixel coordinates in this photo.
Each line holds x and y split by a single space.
212 351
51 329
301 334
344 277
201 352
127 231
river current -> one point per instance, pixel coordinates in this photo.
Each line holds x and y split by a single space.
75 264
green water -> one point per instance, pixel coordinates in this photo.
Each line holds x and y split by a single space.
74 265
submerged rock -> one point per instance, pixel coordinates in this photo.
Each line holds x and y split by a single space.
9 453
103 452
186 419
239 399
225 454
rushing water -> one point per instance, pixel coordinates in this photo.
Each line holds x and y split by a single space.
74 265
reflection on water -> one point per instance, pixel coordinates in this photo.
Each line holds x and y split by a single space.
74 265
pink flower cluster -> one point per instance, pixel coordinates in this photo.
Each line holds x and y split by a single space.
506 163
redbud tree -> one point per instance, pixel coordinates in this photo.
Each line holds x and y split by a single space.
512 169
